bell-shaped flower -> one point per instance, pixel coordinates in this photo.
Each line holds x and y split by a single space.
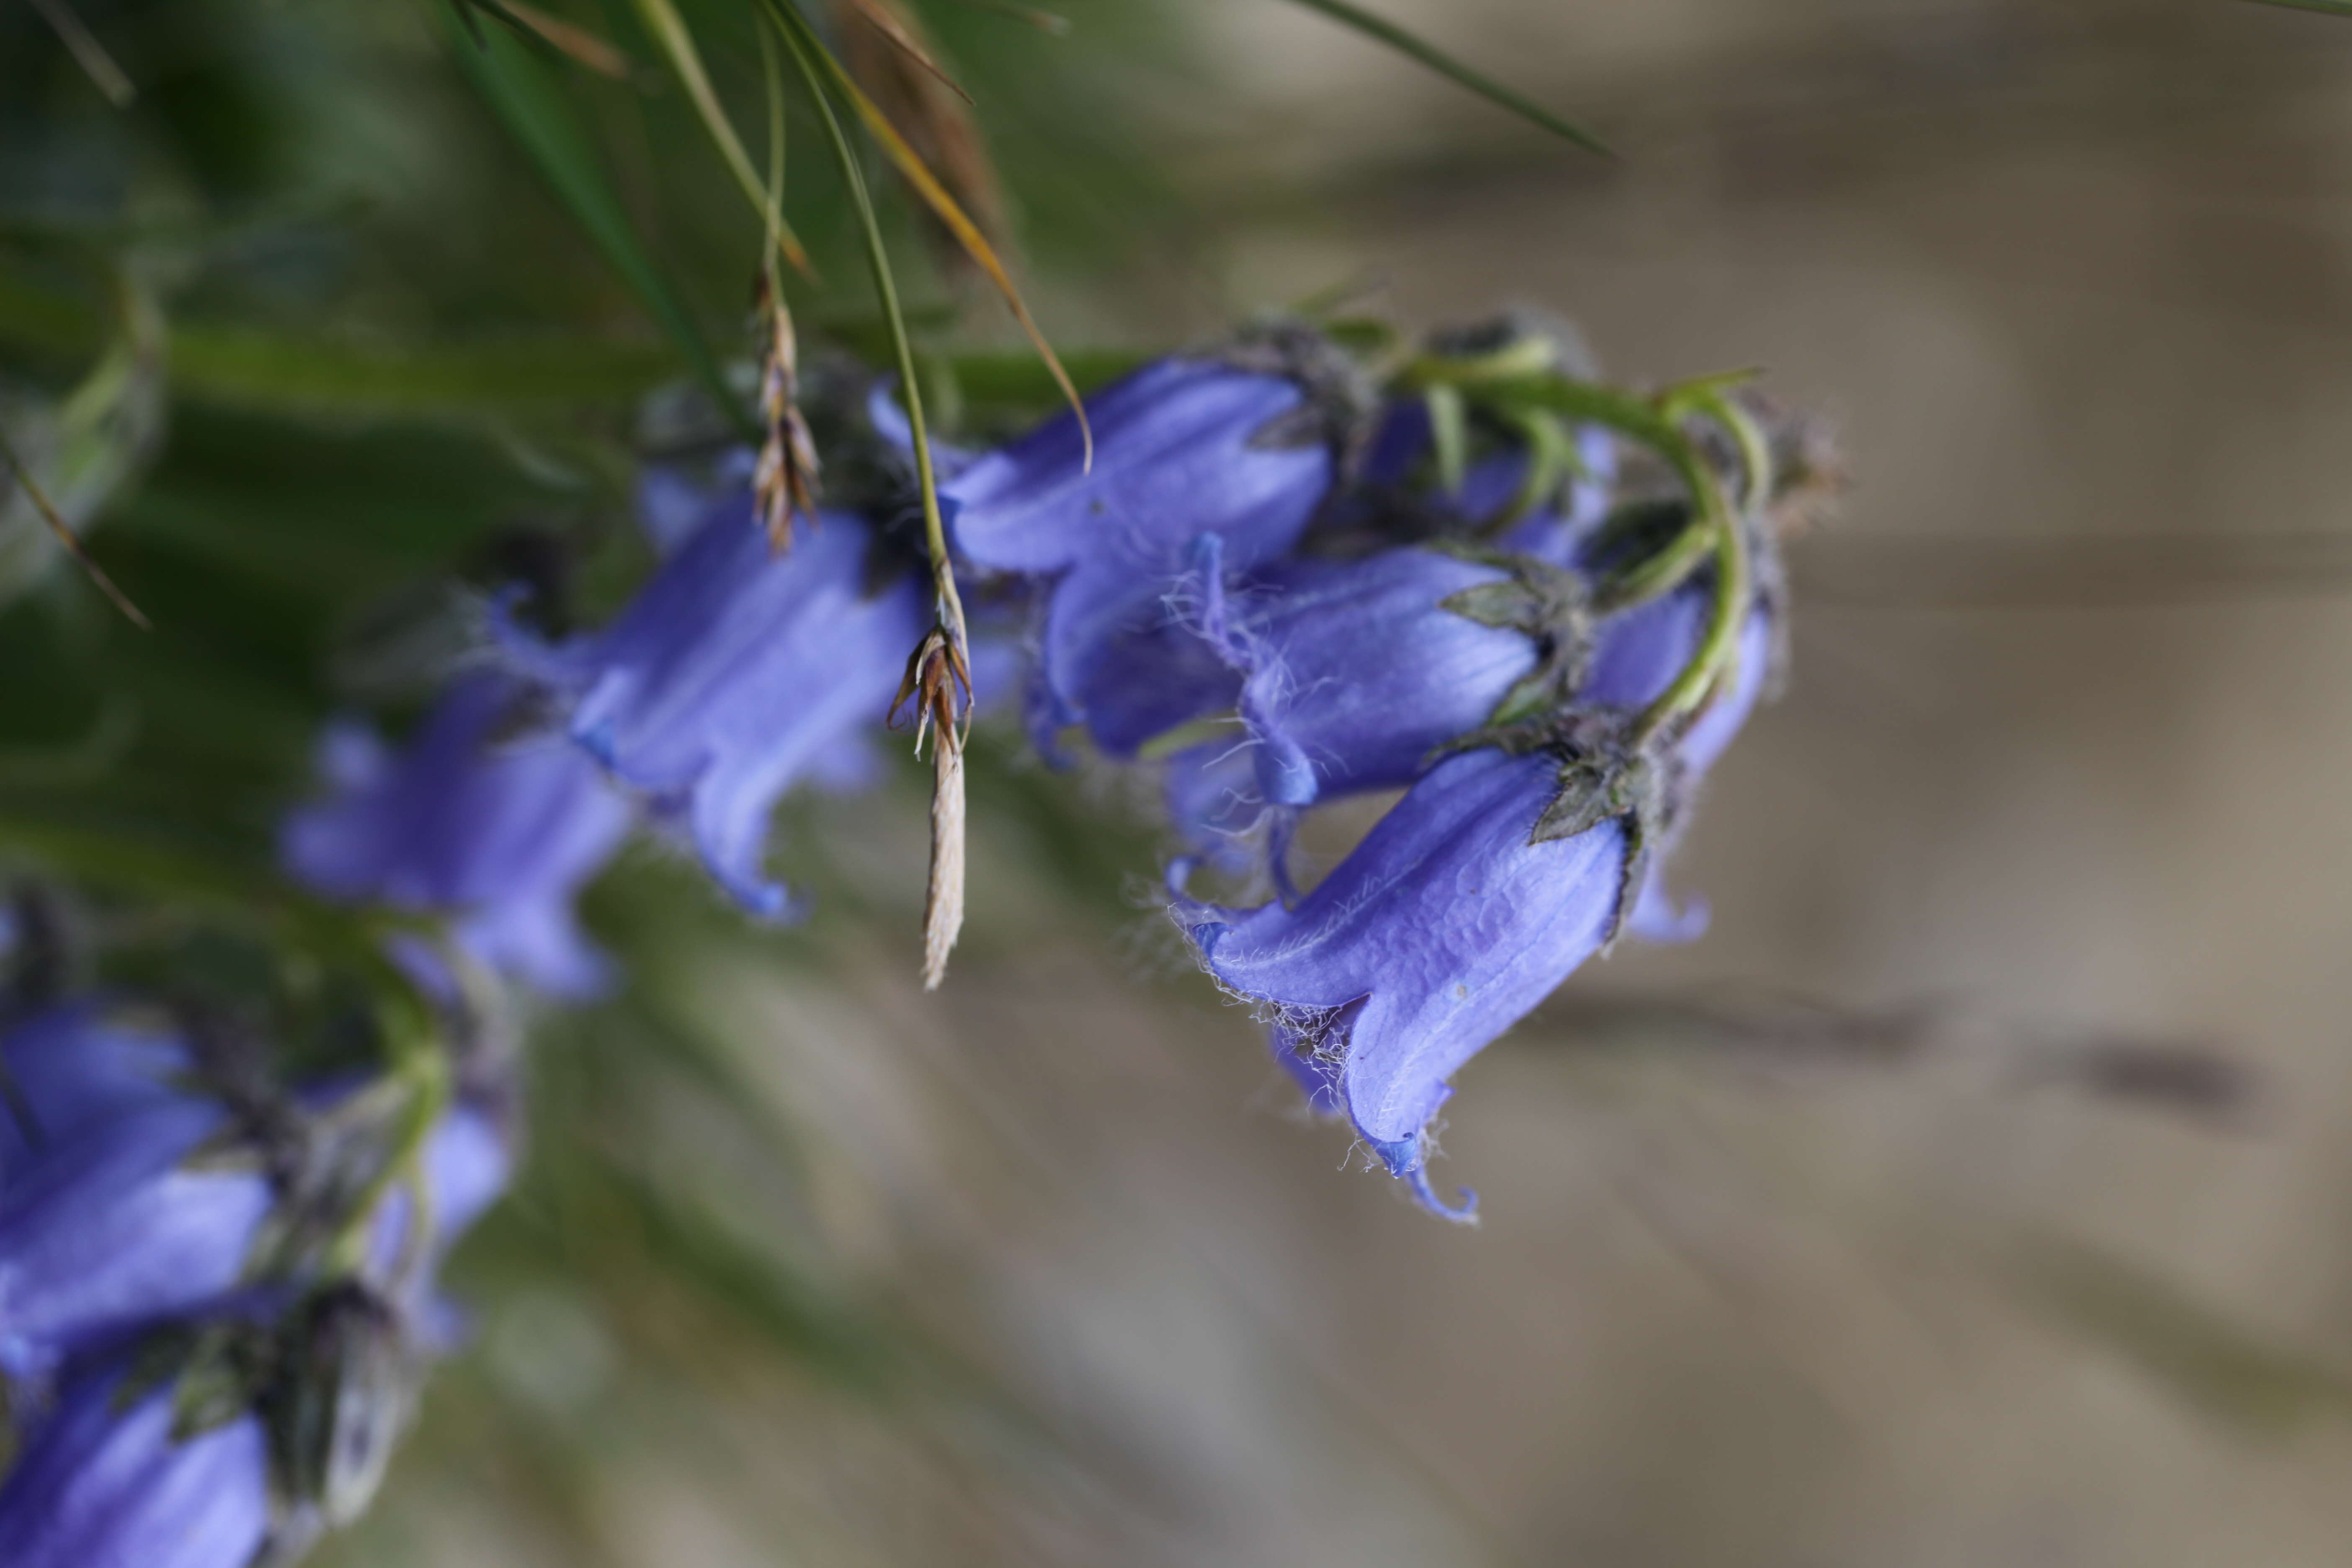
1460 910
1436 933
499 833
1356 672
1183 448
106 1482
737 673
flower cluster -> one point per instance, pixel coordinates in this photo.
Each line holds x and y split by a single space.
215 1293
1538 608
1290 589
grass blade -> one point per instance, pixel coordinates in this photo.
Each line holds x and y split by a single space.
532 103
2326 8
1415 47
577 43
935 196
670 30
885 22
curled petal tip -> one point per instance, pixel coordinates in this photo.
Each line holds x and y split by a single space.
1466 1212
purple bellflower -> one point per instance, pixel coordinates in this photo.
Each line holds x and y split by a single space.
1450 921
736 674
107 1484
1439 932
1183 448
500 836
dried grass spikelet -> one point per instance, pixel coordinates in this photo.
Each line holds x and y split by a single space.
784 479
884 49
938 683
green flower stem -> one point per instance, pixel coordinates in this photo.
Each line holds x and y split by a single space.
1659 574
1718 533
1719 651
422 1077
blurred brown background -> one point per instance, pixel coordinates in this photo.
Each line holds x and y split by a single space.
1918 1216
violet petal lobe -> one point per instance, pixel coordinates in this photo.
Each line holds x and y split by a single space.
113 1230
102 1485
72 1067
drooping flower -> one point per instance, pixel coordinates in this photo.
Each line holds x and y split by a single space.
106 1483
734 675
499 834
1183 448
1439 932
1452 919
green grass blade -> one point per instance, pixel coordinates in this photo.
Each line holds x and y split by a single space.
1417 49
530 101
2326 8
670 30
810 50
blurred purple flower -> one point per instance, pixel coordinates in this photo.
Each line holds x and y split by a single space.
673 499
1183 448
734 675
499 835
107 1484
73 1067
107 1226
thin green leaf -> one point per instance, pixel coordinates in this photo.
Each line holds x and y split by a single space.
670 30
532 103
935 196
1415 47
2326 7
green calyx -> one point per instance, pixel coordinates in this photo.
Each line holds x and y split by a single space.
1550 606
